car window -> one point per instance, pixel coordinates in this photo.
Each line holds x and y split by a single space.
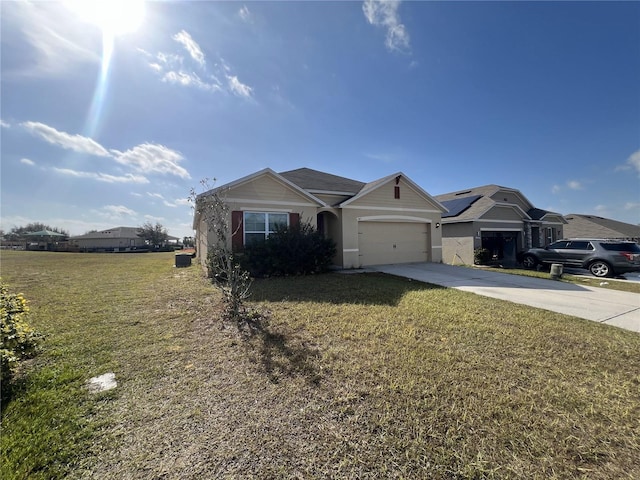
621 247
560 244
580 245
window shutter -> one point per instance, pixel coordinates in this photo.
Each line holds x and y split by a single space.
294 219
237 231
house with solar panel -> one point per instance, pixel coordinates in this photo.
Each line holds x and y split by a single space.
389 220
499 219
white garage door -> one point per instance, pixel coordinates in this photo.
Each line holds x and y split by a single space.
393 242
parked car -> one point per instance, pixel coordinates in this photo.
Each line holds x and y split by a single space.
603 258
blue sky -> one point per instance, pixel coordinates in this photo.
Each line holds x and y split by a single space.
110 117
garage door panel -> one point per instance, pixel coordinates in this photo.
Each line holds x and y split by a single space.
392 242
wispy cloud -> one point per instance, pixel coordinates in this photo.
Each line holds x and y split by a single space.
570 184
116 212
178 70
189 80
632 206
77 143
238 88
384 13
59 43
182 202
103 177
381 157
150 157
190 45
145 158
4 124
244 13
26 161
632 163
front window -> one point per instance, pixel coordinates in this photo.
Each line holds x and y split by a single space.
258 225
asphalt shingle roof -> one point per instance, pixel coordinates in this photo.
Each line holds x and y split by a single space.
313 180
592 226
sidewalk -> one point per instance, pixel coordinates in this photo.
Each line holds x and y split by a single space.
621 309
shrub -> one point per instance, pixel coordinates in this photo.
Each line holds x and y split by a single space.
295 250
481 256
19 340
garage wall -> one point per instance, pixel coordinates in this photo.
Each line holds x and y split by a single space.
351 219
393 242
458 243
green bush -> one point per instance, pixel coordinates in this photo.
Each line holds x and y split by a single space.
481 256
19 340
295 250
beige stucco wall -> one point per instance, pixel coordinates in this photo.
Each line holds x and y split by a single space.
109 242
261 194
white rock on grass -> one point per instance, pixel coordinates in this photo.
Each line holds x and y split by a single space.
102 383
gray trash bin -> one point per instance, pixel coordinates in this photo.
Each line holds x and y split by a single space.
556 271
183 260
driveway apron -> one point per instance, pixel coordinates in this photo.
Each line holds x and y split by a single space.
621 309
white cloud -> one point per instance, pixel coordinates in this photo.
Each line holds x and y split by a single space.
4 124
556 189
574 185
26 161
103 177
177 70
155 195
189 79
244 13
182 201
632 206
384 13
191 46
632 163
77 143
149 158
116 212
238 88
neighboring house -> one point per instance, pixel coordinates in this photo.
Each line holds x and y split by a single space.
391 220
118 239
591 226
497 218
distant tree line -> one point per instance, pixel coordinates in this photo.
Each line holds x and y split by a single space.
17 234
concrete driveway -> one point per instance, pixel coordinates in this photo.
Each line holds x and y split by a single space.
621 309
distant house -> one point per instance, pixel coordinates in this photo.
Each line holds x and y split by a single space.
499 219
45 240
390 220
591 226
118 239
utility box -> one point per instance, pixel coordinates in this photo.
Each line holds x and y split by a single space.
183 260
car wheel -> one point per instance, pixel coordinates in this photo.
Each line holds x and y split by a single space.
529 261
600 269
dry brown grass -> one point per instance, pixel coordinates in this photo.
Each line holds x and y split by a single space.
353 376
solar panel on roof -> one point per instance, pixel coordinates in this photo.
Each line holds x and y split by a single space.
458 205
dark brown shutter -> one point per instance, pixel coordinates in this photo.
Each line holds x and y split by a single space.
237 231
294 219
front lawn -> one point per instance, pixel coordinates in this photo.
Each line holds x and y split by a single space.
353 376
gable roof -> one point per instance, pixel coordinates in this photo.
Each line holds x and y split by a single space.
586 226
320 182
471 204
116 232
371 186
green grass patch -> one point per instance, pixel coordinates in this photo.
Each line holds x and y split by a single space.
352 376
590 281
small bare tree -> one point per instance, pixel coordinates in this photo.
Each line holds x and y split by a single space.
227 275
